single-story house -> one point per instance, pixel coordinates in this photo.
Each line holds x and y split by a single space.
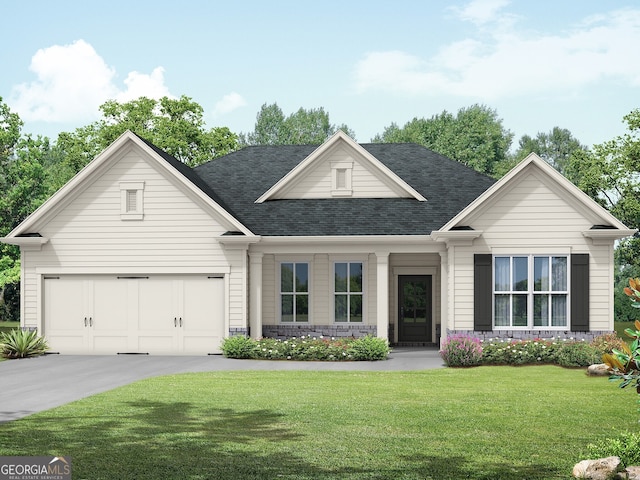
139 253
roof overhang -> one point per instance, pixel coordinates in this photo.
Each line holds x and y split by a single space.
605 236
26 243
456 237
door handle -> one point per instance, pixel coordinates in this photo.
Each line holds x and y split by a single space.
180 321
85 321
90 321
175 322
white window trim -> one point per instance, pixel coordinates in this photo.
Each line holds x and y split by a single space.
279 262
125 188
531 293
332 306
347 190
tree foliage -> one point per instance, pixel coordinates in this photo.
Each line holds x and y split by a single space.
474 136
610 174
309 127
174 125
555 147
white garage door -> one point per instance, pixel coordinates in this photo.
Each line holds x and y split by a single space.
144 314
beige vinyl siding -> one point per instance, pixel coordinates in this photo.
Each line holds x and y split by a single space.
321 271
317 182
532 218
175 235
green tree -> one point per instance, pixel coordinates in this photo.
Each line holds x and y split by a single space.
610 174
174 125
555 147
474 136
310 127
25 183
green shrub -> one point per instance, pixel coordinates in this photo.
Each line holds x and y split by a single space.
369 348
461 351
626 446
578 354
238 346
519 352
307 348
20 343
607 343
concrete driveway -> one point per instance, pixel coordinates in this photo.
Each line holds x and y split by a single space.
32 385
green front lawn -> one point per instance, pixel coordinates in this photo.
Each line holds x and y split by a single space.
479 423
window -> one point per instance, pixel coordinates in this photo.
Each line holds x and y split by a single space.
131 200
530 291
294 292
348 292
341 179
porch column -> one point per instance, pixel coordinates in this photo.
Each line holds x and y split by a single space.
444 294
255 294
382 294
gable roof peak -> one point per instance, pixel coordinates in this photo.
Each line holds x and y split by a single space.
338 137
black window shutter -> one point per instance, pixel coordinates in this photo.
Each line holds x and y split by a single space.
483 293
580 292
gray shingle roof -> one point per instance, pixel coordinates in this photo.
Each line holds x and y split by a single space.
238 179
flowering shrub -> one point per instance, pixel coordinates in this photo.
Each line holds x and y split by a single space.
461 351
608 343
520 352
309 348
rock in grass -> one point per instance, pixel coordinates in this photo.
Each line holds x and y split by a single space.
633 473
598 370
600 469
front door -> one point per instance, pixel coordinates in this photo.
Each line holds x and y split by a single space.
414 312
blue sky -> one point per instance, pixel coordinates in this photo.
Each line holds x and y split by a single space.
569 63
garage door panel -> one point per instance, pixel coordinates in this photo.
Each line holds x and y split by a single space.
156 299
64 325
108 344
203 327
158 315
110 313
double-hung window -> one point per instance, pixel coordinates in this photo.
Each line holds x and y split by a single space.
530 291
294 292
348 292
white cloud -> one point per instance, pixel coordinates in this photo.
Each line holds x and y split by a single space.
481 11
73 81
509 63
228 104
142 85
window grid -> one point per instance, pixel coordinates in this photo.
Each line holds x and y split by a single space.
531 291
348 300
294 292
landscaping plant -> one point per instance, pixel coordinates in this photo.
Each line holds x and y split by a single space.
20 343
307 348
461 351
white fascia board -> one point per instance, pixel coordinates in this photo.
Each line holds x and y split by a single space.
321 150
534 160
456 237
26 243
605 236
94 168
71 186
